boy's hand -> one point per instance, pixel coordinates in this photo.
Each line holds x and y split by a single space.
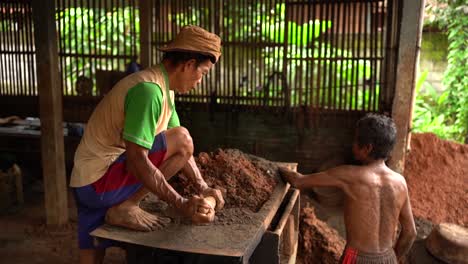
290 176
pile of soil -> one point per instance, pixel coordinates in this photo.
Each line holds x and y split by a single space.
436 171
246 182
319 242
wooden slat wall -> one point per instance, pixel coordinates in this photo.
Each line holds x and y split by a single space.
97 40
17 51
99 36
273 57
18 81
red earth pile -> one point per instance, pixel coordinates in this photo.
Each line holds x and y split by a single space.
243 182
320 243
436 171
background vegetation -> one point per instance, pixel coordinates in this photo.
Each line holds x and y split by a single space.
446 113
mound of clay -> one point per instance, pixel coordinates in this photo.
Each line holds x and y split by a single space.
245 183
320 243
437 174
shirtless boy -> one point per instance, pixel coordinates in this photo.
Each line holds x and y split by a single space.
376 198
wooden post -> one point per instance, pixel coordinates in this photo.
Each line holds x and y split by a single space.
390 64
145 32
408 55
50 109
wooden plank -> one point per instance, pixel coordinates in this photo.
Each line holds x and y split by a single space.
145 32
289 240
19 105
50 109
236 240
279 242
408 56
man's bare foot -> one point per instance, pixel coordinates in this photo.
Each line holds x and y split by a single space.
290 176
133 217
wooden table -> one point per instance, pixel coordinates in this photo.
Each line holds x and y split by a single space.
236 241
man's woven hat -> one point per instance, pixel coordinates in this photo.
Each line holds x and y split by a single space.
195 39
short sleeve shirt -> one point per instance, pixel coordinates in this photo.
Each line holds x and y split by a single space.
143 106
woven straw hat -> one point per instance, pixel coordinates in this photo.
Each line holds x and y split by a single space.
195 39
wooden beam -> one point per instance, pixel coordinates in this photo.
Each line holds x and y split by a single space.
408 56
390 57
145 32
50 110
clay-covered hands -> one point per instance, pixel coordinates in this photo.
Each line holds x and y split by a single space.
290 176
403 260
190 208
208 191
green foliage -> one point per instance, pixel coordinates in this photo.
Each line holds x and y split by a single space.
447 114
93 31
429 111
302 42
455 77
435 13
110 33
5 25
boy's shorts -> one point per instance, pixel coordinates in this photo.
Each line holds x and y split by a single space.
354 256
116 186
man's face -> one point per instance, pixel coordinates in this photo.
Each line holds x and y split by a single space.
191 75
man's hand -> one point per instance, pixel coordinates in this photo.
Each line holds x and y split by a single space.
216 194
403 260
290 176
190 208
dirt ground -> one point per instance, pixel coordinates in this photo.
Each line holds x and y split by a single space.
24 237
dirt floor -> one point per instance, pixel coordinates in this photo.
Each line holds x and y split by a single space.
24 237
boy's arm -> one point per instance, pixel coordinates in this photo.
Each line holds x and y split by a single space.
408 230
335 177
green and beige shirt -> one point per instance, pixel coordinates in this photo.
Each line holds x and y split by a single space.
138 107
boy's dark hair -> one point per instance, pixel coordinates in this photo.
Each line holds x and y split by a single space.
178 57
379 131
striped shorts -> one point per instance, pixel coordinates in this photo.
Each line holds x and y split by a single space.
114 187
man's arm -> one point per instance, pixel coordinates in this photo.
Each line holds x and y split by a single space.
408 230
141 167
191 171
143 104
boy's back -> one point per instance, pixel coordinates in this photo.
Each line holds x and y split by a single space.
374 197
